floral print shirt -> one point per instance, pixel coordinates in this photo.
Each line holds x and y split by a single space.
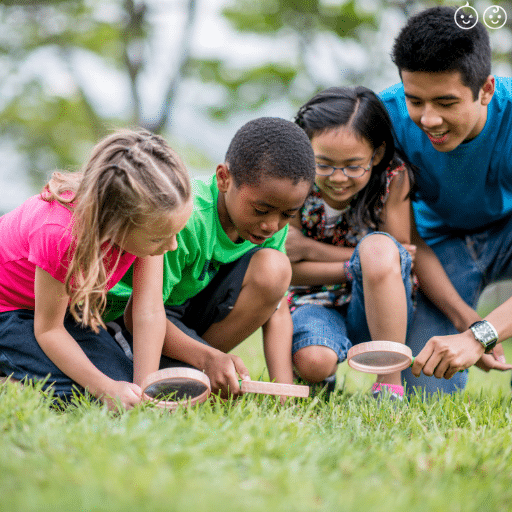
346 232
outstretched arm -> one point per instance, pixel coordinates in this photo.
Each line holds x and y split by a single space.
51 301
148 316
223 370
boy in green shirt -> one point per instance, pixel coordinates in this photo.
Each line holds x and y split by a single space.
230 272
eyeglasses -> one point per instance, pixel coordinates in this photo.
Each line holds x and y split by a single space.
350 171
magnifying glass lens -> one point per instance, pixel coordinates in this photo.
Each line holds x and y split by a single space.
175 389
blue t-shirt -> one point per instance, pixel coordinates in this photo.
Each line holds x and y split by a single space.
466 189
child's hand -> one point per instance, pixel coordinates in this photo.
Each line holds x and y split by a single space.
295 241
124 394
224 372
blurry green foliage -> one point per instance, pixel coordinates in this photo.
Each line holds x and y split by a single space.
271 16
53 128
51 131
246 89
304 20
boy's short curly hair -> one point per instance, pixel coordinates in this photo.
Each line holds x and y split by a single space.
270 147
432 42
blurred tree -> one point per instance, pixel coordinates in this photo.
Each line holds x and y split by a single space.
49 114
306 35
296 28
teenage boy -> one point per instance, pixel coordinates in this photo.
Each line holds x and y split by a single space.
229 273
453 121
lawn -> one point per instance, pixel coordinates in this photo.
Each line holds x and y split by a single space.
349 454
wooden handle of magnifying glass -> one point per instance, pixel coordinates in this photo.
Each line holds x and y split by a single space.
273 388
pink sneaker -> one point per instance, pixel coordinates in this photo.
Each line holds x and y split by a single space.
392 391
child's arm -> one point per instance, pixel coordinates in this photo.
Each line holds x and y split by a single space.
277 344
51 301
148 319
302 248
223 370
314 262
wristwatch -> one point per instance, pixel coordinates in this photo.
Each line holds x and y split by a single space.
485 334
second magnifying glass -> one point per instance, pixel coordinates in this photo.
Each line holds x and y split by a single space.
380 357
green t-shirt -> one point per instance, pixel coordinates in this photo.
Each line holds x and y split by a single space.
203 247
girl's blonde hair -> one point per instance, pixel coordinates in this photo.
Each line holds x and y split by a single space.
132 178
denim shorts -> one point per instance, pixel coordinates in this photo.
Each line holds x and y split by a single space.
342 327
22 357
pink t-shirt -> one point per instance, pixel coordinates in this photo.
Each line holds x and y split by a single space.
38 233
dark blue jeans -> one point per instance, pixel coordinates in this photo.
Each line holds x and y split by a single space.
472 261
21 356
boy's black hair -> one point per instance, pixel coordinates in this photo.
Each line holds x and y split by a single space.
362 112
270 147
432 42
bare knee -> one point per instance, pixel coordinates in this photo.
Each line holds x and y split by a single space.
315 362
270 273
380 258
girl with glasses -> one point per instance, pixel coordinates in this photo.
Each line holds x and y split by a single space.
350 247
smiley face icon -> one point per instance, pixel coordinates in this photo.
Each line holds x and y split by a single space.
466 17
495 16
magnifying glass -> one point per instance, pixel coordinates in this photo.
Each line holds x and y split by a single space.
380 357
170 387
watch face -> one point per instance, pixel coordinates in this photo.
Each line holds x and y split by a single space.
483 333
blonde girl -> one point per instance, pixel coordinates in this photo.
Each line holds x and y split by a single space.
351 269
63 249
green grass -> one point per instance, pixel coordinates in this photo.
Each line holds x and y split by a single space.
452 453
